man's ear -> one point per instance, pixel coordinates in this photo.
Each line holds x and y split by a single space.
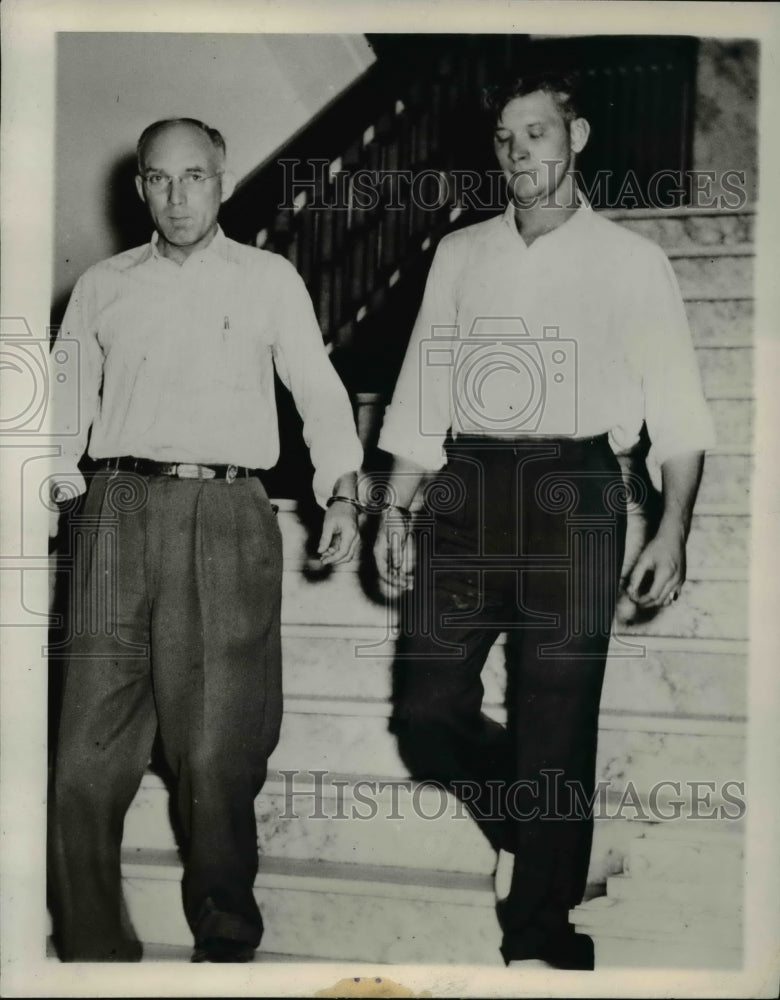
228 185
139 186
579 130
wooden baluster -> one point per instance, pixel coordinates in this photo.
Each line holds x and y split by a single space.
372 220
325 269
392 191
338 261
404 143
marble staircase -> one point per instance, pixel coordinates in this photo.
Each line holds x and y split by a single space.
678 900
375 868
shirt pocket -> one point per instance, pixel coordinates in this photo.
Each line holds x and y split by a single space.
241 352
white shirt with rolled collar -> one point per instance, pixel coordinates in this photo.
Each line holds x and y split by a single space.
583 332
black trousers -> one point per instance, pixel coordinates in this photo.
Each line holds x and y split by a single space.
525 538
174 624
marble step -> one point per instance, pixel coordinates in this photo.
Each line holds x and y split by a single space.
351 912
618 950
717 543
343 819
688 227
713 609
714 895
706 609
656 921
733 419
718 323
679 901
726 372
348 819
183 953
718 272
698 859
634 752
726 482
686 678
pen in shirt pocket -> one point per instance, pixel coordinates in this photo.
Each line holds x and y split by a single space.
225 327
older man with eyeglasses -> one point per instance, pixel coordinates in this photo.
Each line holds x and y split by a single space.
178 341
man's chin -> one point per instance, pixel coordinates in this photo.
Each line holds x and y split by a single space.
180 237
525 199
523 190
178 231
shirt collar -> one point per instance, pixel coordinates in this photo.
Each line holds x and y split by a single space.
583 211
216 246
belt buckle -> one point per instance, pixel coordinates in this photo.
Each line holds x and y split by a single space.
185 470
231 473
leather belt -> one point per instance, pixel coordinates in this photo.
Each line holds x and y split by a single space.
180 470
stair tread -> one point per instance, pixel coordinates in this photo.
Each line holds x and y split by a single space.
183 953
702 830
678 212
332 873
326 704
640 913
682 644
711 250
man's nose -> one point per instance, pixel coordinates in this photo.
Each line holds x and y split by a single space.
176 191
517 150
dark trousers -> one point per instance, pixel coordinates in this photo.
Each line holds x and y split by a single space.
174 624
525 538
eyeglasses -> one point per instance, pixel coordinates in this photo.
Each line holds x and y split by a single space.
190 181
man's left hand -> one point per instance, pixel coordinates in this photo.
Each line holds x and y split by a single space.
659 573
339 534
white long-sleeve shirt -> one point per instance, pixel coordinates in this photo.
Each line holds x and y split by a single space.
175 363
583 332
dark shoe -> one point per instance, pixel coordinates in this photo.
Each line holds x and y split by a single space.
563 951
218 949
569 951
561 948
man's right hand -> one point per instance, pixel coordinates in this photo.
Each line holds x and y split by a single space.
394 549
394 552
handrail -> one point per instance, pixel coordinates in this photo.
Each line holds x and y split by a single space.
329 203
415 111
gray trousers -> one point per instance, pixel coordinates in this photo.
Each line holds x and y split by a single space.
174 624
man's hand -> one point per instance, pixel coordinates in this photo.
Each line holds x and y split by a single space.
394 551
394 548
339 533
659 573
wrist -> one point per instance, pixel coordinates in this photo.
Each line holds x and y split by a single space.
673 528
345 499
396 511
